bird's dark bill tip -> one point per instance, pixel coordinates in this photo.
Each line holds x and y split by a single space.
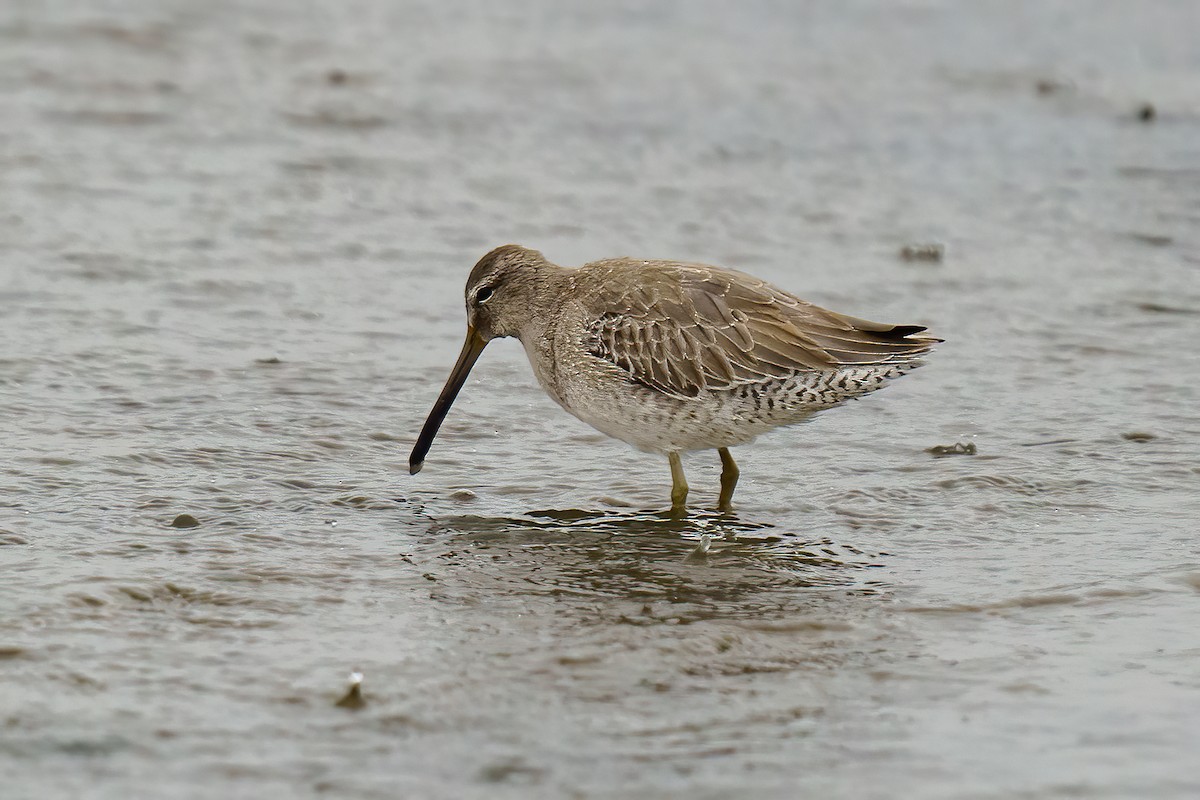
415 466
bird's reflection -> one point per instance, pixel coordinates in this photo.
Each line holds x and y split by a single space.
702 565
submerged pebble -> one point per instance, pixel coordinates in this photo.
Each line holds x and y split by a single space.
1160 308
185 521
956 449
1048 86
931 252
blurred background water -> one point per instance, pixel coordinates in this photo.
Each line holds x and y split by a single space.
233 238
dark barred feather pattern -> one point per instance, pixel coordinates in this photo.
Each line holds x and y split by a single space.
685 329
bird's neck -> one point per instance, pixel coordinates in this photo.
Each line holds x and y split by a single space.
549 286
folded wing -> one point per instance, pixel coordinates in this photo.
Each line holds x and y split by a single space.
685 329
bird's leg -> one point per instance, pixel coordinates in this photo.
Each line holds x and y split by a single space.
679 487
729 478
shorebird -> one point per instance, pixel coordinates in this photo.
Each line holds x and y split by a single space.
671 357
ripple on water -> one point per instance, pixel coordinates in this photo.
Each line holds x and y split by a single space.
1019 486
1060 596
252 334
110 601
699 567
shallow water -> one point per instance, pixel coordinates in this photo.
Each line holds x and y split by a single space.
234 238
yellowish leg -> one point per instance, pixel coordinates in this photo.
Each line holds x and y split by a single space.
679 487
729 478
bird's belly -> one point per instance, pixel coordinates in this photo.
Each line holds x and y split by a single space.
653 421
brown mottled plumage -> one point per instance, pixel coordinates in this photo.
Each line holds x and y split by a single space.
670 356
685 328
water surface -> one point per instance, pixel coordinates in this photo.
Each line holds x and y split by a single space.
233 238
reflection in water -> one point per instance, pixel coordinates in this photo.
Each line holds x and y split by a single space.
702 566
652 644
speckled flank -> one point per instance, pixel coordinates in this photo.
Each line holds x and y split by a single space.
657 423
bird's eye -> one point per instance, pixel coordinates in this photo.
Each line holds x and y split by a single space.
483 294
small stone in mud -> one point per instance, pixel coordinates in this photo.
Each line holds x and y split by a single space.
353 699
463 495
336 77
185 521
271 360
504 772
1159 308
956 449
1155 239
1147 112
1138 436
932 252
1047 86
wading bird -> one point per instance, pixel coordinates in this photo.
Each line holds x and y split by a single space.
671 357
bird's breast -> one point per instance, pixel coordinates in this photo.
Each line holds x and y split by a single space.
541 351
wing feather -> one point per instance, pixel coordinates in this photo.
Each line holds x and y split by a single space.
685 328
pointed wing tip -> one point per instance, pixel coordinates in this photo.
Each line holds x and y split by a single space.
415 466
905 331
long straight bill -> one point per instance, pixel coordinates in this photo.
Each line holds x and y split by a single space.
458 376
